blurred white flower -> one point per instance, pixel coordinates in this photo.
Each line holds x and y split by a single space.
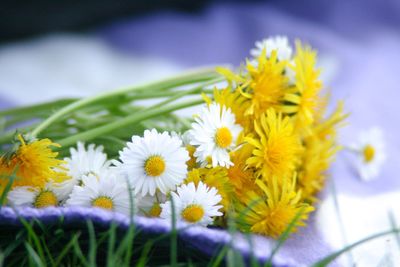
82 162
278 43
33 196
107 191
371 154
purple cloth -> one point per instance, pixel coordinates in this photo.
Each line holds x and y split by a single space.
205 239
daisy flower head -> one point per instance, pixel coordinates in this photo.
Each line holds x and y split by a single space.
33 196
107 191
154 161
82 162
278 43
214 177
371 153
214 134
34 163
193 204
149 206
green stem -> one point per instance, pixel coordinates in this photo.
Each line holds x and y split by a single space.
195 90
144 96
134 118
37 108
161 85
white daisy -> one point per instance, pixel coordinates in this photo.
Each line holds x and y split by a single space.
149 206
278 43
193 205
370 150
107 191
33 196
154 161
214 133
82 162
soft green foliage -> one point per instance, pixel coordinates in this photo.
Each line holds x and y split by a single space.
110 118
87 244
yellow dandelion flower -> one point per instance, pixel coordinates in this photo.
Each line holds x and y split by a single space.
326 128
240 176
276 146
267 85
304 98
213 177
320 150
316 160
35 163
271 212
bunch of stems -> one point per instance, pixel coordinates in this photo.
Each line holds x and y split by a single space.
109 118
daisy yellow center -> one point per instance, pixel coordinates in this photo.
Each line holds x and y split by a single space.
193 213
45 199
223 137
155 210
154 166
103 202
369 153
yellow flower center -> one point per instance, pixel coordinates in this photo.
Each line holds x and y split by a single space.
45 199
154 166
155 210
369 153
193 213
103 202
223 137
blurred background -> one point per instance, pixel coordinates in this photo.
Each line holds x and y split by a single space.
55 49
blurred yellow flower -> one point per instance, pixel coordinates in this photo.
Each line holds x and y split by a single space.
267 84
34 164
304 98
276 146
271 211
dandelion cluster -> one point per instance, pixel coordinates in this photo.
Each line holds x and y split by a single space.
257 153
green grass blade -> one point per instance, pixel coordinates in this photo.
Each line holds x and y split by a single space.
144 256
394 225
34 237
66 249
33 256
217 261
174 237
11 178
111 245
92 244
330 258
78 253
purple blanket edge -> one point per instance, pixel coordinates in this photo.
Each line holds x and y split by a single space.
206 240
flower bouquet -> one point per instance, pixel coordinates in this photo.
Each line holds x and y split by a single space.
252 160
